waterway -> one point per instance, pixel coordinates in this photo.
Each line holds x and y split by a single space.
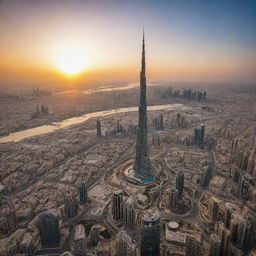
108 88
18 136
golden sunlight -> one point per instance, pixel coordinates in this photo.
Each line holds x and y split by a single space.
71 60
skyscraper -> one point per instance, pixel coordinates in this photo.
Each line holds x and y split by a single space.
180 183
124 245
196 136
27 246
202 130
95 234
192 246
48 225
71 205
213 208
230 209
224 235
8 219
150 236
117 205
79 240
142 165
83 193
129 214
173 198
199 135
215 245
243 186
240 229
98 128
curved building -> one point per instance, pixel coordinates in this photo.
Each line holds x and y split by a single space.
150 236
129 214
117 205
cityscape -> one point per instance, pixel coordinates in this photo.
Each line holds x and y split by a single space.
138 169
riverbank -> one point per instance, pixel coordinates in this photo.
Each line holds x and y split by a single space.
17 136
20 113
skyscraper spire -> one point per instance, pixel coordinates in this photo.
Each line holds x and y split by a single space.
142 166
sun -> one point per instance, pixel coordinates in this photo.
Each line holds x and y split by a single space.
71 60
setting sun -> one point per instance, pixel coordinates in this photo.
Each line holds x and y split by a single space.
71 60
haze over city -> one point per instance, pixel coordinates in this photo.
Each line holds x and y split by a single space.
188 41
127 128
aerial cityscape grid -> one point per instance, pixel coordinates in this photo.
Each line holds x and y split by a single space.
127 169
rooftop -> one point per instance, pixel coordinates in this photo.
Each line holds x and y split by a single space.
151 215
80 232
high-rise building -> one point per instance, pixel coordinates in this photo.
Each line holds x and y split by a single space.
79 240
225 237
8 219
95 234
245 159
161 122
129 214
27 246
142 165
202 131
155 140
180 183
240 231
215 245
202 178
196 136
48 225
117 205
243 186
213 208
254 171
71 205
253 198
230 208
204 175
150 234
125 245
251 162
199 134
83 193
236 173
192 246
98 128
173 198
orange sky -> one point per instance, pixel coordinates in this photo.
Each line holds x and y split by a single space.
182 47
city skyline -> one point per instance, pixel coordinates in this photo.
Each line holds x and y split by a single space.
94 164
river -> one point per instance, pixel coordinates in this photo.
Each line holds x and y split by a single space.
108 88
17 136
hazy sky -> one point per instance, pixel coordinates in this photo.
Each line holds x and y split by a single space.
185 39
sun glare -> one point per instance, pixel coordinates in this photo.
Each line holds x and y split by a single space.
71 60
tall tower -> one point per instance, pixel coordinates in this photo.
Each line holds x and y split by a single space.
142 166
180 183
70 205
125 245
95 234
129 214
150 235
117 206
173 198
79 240
83 193
48 225
98 128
